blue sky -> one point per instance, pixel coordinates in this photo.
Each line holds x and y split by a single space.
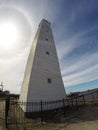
75 28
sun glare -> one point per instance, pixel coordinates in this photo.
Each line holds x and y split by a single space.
15 31
8 34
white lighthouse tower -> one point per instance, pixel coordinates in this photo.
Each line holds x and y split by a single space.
42 78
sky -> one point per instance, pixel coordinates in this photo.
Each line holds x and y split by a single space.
75 28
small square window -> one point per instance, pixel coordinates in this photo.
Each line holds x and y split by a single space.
46 39
49 80
47 52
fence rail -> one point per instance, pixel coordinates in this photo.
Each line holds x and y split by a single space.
20 113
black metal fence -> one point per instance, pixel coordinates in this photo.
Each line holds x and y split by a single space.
24 113
85 98
30 112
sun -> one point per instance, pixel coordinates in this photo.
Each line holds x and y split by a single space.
15 31
9 34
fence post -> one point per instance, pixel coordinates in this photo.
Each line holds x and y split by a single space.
64 106
6 112
93 100
76 103
41 105
71 105
83 100
7 103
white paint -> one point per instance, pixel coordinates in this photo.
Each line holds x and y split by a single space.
40 67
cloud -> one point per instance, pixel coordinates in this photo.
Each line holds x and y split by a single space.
13 59
66 46
79 67
82 62
12 71
82 76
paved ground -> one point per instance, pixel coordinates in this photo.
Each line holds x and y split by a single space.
90 125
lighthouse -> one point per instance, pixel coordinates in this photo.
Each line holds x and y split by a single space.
42 77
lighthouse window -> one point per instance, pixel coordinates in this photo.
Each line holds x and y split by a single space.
47 52
49 80
46 39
